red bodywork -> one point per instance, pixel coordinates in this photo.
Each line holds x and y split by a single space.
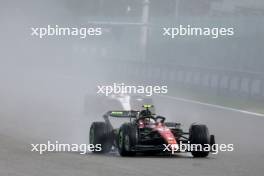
163 130
166 133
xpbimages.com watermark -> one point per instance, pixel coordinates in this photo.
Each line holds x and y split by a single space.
183 147
121 88
56 30
62 147
189 30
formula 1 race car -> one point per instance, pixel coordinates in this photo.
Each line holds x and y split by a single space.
145 132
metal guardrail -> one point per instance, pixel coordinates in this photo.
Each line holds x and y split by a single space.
219 81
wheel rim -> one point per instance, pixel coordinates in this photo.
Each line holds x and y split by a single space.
127 143
91 138
120 139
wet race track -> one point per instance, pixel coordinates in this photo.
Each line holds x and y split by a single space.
242 130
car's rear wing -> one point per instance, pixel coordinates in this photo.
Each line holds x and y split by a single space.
123 114
119 114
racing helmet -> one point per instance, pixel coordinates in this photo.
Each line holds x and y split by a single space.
144 113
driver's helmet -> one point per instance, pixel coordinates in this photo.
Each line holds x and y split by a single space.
145 113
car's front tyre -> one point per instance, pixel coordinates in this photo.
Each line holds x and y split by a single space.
199 136
127 140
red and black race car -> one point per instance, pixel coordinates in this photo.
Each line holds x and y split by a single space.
147 133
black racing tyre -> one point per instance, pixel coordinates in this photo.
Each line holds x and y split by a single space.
127 139
101 134
199 135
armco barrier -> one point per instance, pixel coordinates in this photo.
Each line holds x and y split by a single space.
220 81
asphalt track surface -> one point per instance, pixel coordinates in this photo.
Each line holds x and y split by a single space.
245 131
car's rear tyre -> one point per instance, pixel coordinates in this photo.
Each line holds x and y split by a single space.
199 135
127 138
101 134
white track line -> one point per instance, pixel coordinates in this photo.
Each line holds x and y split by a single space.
213 105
